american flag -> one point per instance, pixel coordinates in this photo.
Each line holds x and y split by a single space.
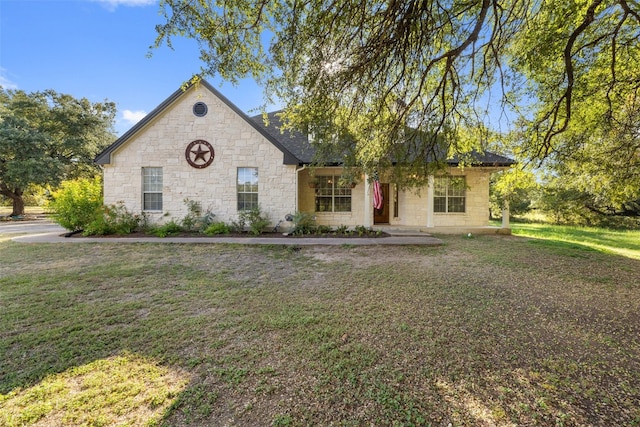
377 195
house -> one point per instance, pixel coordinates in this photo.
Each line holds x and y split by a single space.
198 145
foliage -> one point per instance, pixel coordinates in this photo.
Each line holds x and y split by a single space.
323 229
47 137
361 230
196 219
217 228
116 219
516 186
254 219
342 229
362 77
303 223
77 203
170 228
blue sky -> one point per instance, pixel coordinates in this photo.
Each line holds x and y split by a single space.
97 49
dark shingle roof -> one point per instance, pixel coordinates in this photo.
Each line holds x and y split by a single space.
295 142
298 144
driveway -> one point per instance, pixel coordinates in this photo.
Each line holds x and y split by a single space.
30 227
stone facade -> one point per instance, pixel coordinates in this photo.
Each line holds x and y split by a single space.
161 139
162 143
415 207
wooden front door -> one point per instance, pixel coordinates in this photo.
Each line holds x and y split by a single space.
381 216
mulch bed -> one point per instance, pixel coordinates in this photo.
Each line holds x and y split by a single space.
270 235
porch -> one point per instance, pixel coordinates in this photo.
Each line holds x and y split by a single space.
400 230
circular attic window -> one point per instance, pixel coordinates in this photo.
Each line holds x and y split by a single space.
200 109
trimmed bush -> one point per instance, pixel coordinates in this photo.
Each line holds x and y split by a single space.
77 203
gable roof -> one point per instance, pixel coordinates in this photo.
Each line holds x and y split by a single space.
295 146
105 156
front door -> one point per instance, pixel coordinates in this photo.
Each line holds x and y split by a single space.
381 216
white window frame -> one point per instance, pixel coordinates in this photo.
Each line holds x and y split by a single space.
152 182
247 190
450 194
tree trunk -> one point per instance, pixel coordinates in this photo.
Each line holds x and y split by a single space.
18 205
16 198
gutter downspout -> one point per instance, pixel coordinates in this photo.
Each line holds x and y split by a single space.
298 170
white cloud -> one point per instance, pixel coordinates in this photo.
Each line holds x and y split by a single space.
133 117
5 82
113 4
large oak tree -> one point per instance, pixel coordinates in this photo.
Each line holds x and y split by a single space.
46 137
370 68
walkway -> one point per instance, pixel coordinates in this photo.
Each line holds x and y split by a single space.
47 232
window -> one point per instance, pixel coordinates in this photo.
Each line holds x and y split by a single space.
152 189
331 196
200 109
247 188
449 194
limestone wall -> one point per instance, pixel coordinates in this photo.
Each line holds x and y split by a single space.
162 143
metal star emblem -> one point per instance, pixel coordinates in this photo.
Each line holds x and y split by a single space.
200 153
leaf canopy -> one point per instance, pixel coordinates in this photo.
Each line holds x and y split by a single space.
46 137
403 78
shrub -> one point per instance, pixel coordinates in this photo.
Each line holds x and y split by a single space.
217 228
363 231
342 229
323 229
255 220
115 219
196 220
170 228
76 204
303 223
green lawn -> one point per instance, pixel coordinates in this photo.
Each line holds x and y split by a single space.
483 331
620 242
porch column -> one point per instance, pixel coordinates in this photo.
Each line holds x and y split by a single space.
367 220
505 214
430 202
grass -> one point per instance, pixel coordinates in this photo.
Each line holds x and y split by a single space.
619 242
495 330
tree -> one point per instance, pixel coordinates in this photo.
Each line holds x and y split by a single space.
514 188
46 137
368 69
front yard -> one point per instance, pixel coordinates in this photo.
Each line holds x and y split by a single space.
483 331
